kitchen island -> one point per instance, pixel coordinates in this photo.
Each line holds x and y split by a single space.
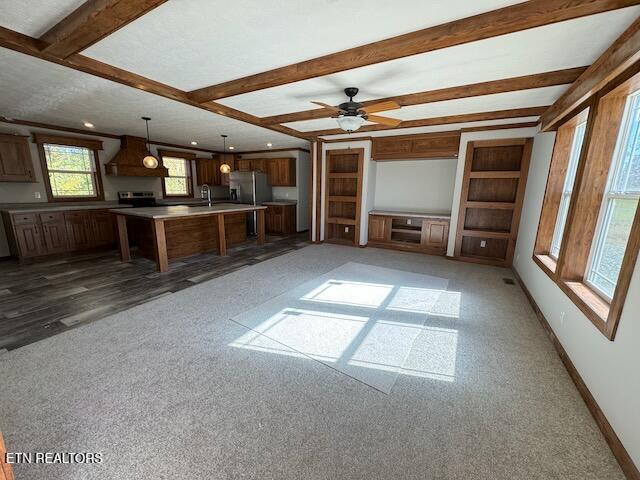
166 233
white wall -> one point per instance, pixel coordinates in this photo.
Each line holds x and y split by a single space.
300 192
462 155
415 185
609 369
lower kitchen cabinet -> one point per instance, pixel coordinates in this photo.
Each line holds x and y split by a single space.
410 232
280 219
35 234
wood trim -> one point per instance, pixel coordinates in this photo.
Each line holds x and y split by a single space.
318 187
503 126
94 145
160 244
177 154
34 47
514 18
123 238
269 150
525 82
617 448
449 119
618 57
91 22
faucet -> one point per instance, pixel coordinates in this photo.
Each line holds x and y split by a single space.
206 188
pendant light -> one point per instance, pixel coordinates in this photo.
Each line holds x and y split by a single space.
149 160
225 167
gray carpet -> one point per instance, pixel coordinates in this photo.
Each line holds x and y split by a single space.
163 393
359 319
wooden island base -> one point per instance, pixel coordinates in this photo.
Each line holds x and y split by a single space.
174 236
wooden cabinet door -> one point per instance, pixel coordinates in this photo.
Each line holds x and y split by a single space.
435 233
259 165
78 230
103 228
207 171
377 228
54 232
244 165
273 172
287 171
29 240
15 159
274 219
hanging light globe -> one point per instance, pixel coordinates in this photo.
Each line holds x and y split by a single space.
150 161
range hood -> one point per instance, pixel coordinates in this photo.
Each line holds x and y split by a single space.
128 161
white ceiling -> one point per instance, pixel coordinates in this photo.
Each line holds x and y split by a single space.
522 53
39 91
195 43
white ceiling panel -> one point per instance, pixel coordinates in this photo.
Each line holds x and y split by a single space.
40 91
437 128
194 43
522 53
35 17
500 101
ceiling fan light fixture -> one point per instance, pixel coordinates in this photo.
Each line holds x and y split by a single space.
350 123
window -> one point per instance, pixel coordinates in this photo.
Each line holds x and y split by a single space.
619 204
563 210
70 167
178 183
72 171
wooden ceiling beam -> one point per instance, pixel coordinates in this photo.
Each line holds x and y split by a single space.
621 55
35 48
525 82
514 18
92 21
447 120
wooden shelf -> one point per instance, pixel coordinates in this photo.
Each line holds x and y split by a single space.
341 220
486 234
343 175
406 230
495 174
343 198
491 205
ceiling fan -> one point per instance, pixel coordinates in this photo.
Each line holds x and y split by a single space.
351 115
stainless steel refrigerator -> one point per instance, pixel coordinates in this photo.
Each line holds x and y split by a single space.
252 188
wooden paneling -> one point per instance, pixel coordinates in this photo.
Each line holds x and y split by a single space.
538 80
418 147
15 159
490 203
514 18
79 229
621 55
446 120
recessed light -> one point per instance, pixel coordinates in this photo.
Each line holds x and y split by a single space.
269 144
194 143
232 148
88 124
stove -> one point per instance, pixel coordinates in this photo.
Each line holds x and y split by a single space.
137 199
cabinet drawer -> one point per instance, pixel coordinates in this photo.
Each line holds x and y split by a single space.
22 218
52 217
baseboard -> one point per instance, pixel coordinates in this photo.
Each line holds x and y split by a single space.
619 452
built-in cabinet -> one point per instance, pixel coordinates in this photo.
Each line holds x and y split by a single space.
410 232
280 219
34 234
15 159
493 185
281 172
416 147
208 170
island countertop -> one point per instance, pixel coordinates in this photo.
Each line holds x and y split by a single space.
178 211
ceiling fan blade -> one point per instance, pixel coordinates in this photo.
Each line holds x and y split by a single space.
325 105
391 122
381 107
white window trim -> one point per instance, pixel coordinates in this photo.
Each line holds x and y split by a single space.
187 178
610 194
91 172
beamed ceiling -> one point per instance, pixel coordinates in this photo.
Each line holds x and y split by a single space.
201 68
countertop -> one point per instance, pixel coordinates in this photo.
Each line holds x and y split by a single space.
58 207
187 211
188 201
281 202
391 213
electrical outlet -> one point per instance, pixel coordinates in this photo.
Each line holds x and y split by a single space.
286 195
483 243
346 229
517 257
37 195
408 221
561 318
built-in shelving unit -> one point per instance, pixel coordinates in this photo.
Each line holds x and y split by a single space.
414 232
343 196
493 186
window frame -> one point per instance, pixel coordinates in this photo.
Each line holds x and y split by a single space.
91 144
187 157
569 272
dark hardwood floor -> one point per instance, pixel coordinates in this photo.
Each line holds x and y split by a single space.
42 299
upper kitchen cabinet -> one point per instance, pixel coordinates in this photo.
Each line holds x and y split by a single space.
416 147
15 159
282 172
208 171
